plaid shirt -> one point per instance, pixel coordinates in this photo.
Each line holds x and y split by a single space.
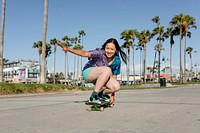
98 58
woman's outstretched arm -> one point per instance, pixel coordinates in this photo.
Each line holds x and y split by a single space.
82 53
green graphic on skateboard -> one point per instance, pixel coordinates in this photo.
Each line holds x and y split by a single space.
98 107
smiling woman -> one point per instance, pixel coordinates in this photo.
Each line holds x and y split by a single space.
101 69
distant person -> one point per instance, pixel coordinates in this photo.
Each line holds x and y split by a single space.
101 69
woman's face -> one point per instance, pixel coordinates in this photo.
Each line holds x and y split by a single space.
110 50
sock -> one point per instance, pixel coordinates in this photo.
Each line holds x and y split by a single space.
94 95
101 93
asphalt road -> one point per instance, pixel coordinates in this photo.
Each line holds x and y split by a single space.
171 110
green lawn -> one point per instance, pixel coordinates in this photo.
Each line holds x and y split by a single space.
11 88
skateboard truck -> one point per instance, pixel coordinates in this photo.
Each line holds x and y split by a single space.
98 107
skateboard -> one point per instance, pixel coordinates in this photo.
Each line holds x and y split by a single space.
98 107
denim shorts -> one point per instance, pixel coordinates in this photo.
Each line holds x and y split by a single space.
86 73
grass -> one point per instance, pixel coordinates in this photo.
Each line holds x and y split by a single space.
192 82
11 88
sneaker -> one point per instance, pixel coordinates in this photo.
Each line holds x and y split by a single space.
103 97
95 100
106 98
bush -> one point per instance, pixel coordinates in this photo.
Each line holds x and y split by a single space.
10 88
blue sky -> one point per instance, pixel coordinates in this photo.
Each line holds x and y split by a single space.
100 19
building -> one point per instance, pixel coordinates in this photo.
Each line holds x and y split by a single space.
123 79
22 71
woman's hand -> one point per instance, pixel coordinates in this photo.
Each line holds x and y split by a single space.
78 52
112 99
64 48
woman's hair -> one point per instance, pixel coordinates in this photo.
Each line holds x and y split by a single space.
119 50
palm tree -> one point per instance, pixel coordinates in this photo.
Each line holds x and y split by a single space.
183 23
43 65
47 51
156 20
78 46
189 51
53 42
158 48
2 38
74 41
178 22
139 47
39 46
165 59
134 33
171 32
188 23
149 69
66 40
126 35
144 37
81 35
5 60
159 30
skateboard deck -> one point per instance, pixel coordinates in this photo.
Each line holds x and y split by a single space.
98 107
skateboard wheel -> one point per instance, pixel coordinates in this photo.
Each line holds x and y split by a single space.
89 109
101 109
112 105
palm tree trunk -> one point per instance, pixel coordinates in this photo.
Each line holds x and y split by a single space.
54 79
122 64
43 65
171 62
191 62
65 67
39 74
181 70
77 71
81 58
140 63
159 66
144 64
2 38
127 67
133 65
74 67
154 63
185 74
191 69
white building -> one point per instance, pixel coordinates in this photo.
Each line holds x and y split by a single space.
123 79
22 71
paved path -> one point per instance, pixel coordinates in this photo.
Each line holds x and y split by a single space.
172 110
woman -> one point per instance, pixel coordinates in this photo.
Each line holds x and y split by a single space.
102 69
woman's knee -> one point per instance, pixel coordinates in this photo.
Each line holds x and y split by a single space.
116 87
107 70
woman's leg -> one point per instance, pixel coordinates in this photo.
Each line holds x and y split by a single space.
101 76
111 86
